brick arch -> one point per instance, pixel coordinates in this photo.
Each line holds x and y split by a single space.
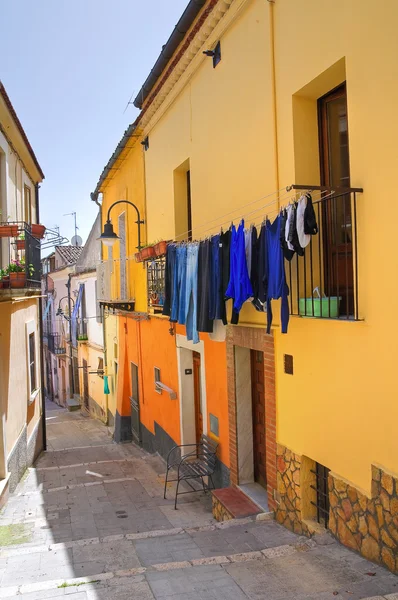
254 339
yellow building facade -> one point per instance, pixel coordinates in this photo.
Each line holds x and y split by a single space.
292 101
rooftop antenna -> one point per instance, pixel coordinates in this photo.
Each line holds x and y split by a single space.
75 237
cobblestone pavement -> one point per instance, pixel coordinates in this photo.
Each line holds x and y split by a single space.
90 521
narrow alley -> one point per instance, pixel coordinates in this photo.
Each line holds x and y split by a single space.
89 520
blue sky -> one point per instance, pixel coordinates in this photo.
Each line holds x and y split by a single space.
70 67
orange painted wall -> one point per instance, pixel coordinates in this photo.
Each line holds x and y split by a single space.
149 344
216 391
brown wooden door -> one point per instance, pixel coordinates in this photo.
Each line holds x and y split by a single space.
258 412
197 396
335 172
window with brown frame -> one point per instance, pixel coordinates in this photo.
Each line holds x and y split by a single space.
336 215
27 205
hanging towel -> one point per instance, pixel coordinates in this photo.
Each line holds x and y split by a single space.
303 238
289 217
106 386
277 286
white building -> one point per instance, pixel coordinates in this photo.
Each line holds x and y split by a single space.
21 394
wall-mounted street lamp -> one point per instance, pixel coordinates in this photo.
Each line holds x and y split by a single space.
109 237
60 312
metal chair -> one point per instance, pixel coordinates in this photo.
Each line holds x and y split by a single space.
197 464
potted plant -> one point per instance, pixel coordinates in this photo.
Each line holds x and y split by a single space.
21 241
8 230
38 231
138 257
160 248
2 275
147 252
17 274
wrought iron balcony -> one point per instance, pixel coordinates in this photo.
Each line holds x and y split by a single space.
323 283
55 343
20 257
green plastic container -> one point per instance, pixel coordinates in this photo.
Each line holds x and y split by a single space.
317 307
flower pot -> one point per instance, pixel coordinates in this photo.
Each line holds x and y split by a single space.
148 252
6 281
138 257
38 231
1 284
8 231
20 244
160 248
18 280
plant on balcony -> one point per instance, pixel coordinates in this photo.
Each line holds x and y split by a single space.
138 257
38 231
160 248
17 271
147 251
21 241
4 278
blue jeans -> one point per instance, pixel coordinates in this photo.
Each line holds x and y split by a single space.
178 310
191 296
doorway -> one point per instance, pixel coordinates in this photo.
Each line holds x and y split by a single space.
258 417
192 398
197 391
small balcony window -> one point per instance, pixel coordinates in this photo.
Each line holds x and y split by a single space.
156 284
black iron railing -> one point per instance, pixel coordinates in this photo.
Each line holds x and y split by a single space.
321 488
55 343
23 256
156 284
323 283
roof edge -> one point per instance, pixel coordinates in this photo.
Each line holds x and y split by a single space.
180 30
21 130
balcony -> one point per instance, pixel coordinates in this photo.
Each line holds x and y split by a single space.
323 283
114 285
56 343
20 260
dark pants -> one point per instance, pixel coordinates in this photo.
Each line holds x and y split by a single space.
169 278
205 324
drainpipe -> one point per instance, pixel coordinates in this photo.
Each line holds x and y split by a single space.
273 88
43 398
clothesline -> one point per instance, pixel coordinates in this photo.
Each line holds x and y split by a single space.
241 264
246 215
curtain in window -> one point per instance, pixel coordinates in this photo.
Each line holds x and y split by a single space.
49 303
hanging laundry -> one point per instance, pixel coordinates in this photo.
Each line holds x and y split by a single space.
225 268
254 257
277 286
169 278
293 235
287 252
204 323
310 224
215 298
191 298
248 248
239 287
303 238
259 275
289 220
178 309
